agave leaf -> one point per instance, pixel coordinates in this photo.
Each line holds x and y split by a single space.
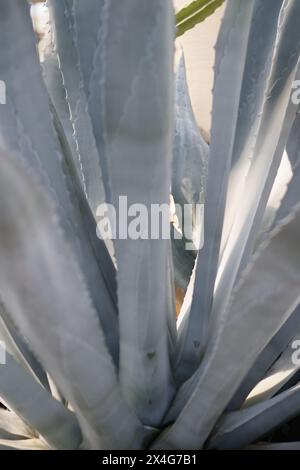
63 78
66 51
230 59
277 195
59 320
257 70
292 147
239 428
265 296
25 134
277 119
278 116
26 444
190 154
291 197
182 361
12 427
23 395
55 392
189 168
139 142
95 261
282 373
171 309
18 348
53 81
266 358
90 25
27 131
287 194
88 19
183 260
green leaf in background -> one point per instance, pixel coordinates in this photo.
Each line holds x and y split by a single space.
190 10
194 13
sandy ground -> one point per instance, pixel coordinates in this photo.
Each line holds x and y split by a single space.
198 47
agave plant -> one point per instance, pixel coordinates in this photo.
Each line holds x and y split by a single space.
94 355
